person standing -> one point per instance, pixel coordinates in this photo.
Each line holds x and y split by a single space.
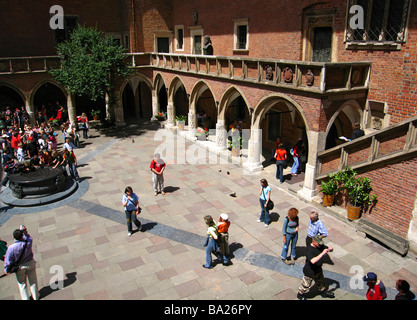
315 227
264 197
223 230
296 153
84 125
130 202
71 160
211 241
313 270
404 292
290 235
27 265
158 167
281 157
376 288
357 131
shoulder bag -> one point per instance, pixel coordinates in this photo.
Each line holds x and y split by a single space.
14 266
270 204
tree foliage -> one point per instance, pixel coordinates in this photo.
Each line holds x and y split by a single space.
90 61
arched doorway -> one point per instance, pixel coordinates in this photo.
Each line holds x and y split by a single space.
340 124
136 97
129 107
51 96
279 116
11 98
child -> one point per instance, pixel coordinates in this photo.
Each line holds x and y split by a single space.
72 163
223 228
20 154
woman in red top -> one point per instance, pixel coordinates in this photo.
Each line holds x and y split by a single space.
281 156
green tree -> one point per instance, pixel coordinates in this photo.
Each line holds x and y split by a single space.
90 63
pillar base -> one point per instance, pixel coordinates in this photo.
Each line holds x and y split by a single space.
252 167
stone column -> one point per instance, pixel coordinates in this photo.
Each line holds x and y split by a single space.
118 112
155 105
191 125
412 231
254 163
221 135
31 111
72 112
316 143
170 115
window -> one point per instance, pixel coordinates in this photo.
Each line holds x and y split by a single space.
163 41
179 38
241 34
383 21
196 34
61 35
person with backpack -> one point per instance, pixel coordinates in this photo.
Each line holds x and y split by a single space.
21 253
130 202
211 242
290 235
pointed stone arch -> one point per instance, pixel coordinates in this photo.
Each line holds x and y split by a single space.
340 123
141 94
196 92
173 100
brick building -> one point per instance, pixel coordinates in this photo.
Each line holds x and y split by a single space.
297 69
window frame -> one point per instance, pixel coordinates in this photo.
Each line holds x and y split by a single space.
176 40
383 44
237 24
162 34
196 31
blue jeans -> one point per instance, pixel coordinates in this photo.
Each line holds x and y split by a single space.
293 238
131 216
73 170
280 171
264 212
295 165
212 247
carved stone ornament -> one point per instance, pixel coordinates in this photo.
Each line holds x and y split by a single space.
309 78
269 73
287 75
195 16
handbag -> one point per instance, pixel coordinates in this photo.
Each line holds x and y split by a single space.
270 205
284 163
14 266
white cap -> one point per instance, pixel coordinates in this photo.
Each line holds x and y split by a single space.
224 216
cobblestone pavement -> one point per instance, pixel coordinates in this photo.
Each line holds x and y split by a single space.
86 234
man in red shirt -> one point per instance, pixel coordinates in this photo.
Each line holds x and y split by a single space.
16 139
376 288
157 167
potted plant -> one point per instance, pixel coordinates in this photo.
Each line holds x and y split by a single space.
181 121
160 116
235 145
329 189
359 191
95 114
201 134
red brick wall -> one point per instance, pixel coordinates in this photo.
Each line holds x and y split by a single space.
25 24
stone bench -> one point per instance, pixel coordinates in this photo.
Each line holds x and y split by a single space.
385 236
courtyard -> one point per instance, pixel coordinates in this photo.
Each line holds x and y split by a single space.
85 235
